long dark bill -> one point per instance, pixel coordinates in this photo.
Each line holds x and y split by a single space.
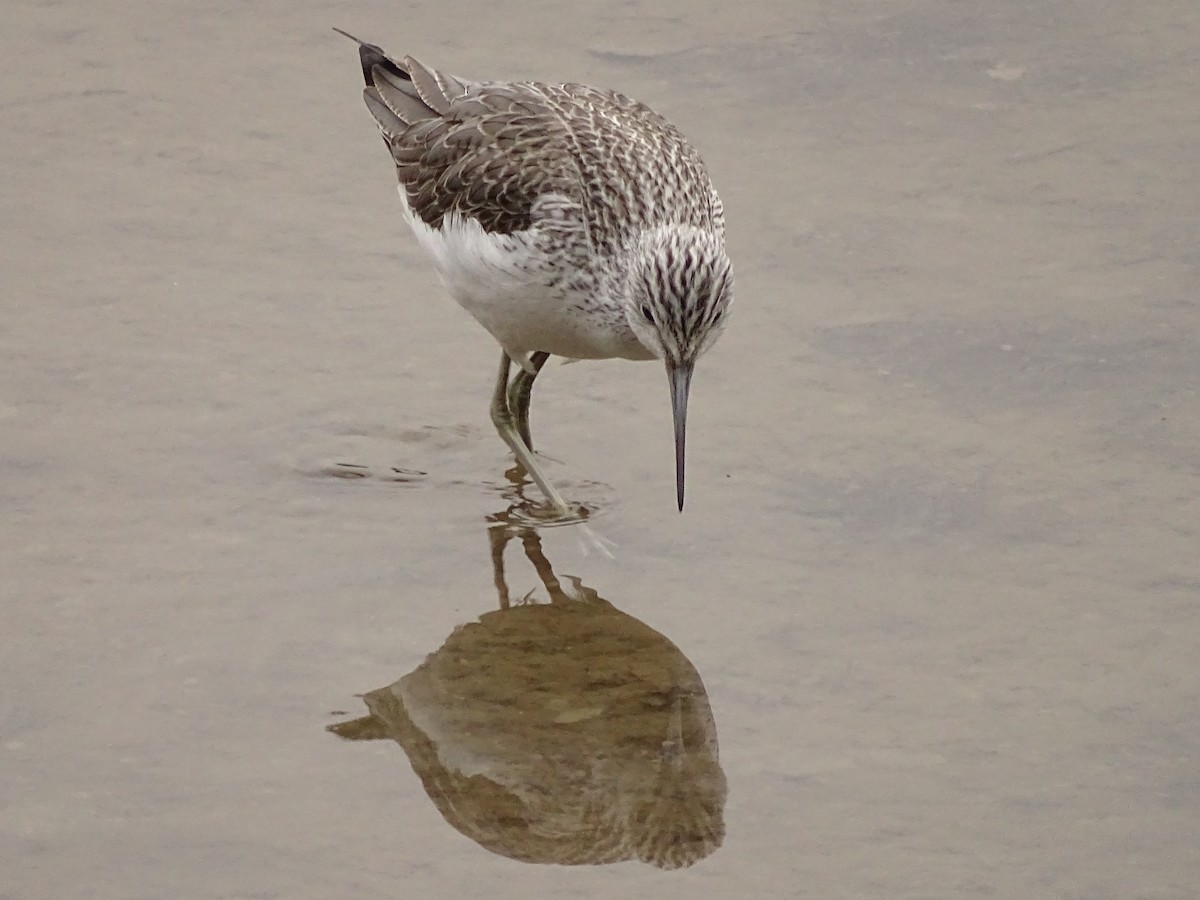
679 377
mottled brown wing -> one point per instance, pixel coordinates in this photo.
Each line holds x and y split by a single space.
488 157
484 151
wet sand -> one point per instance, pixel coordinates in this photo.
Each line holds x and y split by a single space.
933 600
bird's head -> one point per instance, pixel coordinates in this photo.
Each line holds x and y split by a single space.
677 300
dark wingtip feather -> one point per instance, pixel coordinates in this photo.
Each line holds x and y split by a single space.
371 56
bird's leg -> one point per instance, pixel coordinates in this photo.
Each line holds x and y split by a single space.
518 394
498 537
502 418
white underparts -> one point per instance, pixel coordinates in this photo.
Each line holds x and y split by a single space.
502 281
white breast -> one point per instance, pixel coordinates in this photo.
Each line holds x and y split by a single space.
503 281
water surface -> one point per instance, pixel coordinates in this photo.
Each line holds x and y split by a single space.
927 627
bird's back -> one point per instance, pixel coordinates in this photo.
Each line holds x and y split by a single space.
635 170
496 151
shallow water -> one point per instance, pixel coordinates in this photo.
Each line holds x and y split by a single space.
926 628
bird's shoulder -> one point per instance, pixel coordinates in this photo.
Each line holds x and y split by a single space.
636 168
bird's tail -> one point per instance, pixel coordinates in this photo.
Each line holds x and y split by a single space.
401 93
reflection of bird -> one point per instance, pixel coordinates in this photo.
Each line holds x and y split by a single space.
567 220
563 732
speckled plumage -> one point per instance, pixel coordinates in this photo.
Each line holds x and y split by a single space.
566 219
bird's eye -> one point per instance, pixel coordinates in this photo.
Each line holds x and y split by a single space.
647 312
